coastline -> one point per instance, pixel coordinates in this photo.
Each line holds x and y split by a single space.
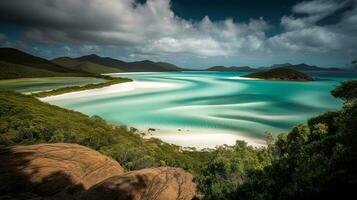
198 138
116 88
65 90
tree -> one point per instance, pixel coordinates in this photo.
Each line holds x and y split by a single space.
346 91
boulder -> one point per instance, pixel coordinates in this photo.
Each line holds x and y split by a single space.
50 169
70 171
163 183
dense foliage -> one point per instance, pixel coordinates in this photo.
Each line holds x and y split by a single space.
346 91
313 161
227 169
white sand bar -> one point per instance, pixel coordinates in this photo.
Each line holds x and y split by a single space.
186 137
202 138
117 88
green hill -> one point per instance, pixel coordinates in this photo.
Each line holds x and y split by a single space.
10 70
230 69
281 73
137 66
17 64
84 66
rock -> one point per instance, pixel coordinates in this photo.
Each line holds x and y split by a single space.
161 183
70 171
48 169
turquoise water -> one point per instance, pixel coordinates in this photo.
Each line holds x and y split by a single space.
28 85
215 101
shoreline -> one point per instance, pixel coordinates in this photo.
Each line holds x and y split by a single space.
110 81
111 89
200 138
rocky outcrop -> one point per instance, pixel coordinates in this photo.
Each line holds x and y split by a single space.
70 171
49 169
163 183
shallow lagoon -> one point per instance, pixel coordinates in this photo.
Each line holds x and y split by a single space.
197 105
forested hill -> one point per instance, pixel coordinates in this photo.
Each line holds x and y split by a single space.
137 66
85 66
17 64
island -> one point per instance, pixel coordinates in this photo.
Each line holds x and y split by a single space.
281 73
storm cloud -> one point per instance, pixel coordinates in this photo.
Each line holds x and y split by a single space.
152 28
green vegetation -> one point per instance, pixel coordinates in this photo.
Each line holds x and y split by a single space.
137 66
25 120
227 169
11 71
281 73
313 161
88 67
18 64
347 91
111 81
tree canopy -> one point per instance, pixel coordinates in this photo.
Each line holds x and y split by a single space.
346 91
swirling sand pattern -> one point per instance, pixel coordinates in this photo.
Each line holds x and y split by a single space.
207 102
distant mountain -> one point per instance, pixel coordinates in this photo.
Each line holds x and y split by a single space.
137 66
148 66
10 55
301 67
281 73
169 66
18 64
230 69
105 61
280 65
84 66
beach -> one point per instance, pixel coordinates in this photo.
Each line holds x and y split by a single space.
192 137
203 110
112 89
201 138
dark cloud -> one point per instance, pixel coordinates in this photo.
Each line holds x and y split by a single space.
152 28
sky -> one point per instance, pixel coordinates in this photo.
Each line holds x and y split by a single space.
188 33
